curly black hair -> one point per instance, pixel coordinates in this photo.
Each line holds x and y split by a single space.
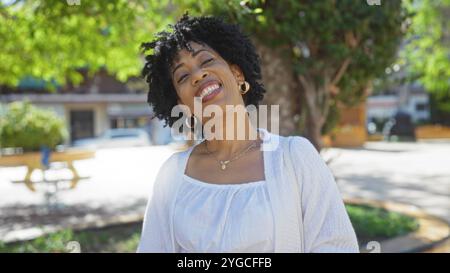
226 39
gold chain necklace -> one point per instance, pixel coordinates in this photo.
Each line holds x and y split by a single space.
223 163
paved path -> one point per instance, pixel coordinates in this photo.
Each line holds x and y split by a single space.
413 173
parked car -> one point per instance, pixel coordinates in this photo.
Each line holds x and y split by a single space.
116 138
400 127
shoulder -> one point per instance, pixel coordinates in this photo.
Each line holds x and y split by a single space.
303 153
170 169
300 147
175 160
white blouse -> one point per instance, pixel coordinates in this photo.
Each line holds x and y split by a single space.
223 218
307 210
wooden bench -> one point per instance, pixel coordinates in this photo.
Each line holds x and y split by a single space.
32 161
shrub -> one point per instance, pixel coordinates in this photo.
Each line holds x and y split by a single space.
112 239
376 222
25 126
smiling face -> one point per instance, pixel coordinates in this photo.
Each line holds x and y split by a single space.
204 73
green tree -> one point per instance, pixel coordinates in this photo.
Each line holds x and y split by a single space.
337 47
426 54
52 40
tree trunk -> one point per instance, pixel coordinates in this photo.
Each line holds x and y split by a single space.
281 88
313 128
317 102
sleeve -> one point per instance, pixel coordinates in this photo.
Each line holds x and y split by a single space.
156 233
326 224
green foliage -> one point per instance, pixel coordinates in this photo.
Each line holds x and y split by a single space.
51 40
23 125
427 51
320 35
376 222
53 243
124 238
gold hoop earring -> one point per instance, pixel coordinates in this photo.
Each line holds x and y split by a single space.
246 87
188 122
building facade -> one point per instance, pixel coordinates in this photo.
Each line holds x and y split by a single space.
413 100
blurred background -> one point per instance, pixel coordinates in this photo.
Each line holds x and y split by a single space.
367 82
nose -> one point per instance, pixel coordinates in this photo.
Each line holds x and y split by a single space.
200 75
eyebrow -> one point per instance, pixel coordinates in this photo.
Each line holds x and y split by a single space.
193 55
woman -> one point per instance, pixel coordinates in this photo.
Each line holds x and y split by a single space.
253 194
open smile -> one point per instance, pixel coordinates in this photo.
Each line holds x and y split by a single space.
209 91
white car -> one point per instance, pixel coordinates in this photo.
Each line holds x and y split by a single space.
116 138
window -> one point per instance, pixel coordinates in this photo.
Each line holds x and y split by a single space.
421 106
81 124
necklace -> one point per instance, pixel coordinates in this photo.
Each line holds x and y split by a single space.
223 163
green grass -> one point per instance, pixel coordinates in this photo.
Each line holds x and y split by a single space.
120 239
370 222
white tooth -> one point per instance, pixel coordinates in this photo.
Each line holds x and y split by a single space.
209 90
205 91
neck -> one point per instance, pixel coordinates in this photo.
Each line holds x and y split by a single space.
236 137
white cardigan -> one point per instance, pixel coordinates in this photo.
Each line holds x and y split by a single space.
309 213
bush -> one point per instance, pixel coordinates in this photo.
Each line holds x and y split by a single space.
115 239
25 126
376 222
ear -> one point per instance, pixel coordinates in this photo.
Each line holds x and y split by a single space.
237 72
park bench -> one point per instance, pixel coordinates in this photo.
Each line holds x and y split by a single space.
33 161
